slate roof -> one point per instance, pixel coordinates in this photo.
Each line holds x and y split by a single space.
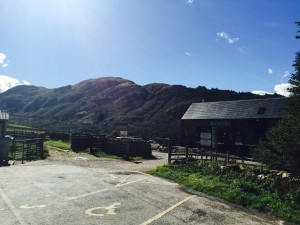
241 109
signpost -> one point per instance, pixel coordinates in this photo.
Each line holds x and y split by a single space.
123 133
205 139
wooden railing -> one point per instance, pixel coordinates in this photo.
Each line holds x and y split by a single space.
27 149
127 147
27 146
180 154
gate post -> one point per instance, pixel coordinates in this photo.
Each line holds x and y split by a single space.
186 153
169 152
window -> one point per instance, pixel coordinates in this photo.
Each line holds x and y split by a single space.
261 110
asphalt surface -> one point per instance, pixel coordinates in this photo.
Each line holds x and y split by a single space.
67 194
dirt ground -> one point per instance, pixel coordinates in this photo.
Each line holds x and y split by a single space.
62 157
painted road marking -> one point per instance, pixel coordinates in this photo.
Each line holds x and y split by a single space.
84 195
126 178
167 210
32 206
121 184
12 207
111 210
130 182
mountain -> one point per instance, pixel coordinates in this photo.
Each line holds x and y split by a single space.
109 104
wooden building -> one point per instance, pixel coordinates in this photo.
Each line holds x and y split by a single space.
237 125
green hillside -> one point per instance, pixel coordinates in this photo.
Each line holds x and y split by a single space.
108 104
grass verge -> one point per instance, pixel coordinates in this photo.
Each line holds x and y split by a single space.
210 179
58 144
101 154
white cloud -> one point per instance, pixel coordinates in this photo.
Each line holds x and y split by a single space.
285 74
3 63
188 53
189 2
7 82
2 57
26 82
258 92
226 36
270 71
282 89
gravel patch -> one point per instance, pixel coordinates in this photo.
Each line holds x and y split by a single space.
58 157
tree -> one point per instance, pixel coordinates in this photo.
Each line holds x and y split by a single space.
295 77
281 150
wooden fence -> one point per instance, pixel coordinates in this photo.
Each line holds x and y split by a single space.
59 136
81 142
125 147
179 151
27 149
22 135
128 147
27 146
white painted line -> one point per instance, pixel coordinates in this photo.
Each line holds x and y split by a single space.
121 184
32 206
130 182
84 195
112 176
12 208
167 210
123 181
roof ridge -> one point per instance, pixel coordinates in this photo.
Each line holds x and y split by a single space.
240 100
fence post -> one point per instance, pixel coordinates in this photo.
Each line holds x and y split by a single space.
169 152
23 151
127 150
227 157
13 149
186 152
41 147
36 142
216 154
201 154
91 145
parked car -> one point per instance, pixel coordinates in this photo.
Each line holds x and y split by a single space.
154 144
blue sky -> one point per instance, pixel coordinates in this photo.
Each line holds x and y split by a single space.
239 45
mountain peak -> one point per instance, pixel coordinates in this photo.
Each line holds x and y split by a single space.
109 103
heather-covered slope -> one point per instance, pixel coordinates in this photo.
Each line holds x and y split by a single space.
108 104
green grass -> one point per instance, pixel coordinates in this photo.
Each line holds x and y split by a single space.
101 154
58 144
67 146
15 127
208 178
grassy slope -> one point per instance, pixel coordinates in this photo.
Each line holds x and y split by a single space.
15 127
241 191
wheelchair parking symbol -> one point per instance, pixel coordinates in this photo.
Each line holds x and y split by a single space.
111 210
